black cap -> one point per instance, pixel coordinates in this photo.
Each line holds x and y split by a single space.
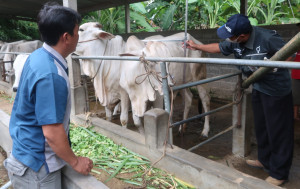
235 26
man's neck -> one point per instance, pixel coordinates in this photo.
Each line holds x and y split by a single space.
60 50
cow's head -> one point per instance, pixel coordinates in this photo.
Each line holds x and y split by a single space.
92 42
90 34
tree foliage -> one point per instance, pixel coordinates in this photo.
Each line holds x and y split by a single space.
158 15
12 30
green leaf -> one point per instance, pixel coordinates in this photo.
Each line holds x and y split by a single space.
192 1
168 17
117 170
253 21
141 20
132 182
138 7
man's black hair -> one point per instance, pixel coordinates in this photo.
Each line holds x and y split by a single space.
54 20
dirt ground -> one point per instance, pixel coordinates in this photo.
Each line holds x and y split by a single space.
218 150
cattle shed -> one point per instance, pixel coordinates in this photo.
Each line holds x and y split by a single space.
190 167
28 9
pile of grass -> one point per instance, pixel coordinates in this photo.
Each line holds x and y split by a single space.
117 160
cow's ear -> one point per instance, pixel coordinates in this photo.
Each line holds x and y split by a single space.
105 35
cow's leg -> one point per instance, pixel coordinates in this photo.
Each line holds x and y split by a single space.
108 113
138 123
117 108
206 106
124 109
188 97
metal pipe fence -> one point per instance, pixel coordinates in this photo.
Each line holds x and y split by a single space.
221 61
13 53
236 62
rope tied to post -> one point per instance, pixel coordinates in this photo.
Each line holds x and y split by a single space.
149 72
236 97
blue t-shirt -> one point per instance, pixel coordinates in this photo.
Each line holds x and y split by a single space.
262 43
43 98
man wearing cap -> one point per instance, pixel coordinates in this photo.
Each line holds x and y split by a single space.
271 95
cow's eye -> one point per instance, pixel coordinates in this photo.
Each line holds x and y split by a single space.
81 30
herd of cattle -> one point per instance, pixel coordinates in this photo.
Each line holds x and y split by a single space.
125 83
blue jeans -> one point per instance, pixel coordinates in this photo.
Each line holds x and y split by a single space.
22 177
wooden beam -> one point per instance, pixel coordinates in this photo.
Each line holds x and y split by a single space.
243 7
70 3
127 18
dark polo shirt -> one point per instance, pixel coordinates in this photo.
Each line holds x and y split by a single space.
262 43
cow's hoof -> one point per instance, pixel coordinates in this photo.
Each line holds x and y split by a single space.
204 136
141 131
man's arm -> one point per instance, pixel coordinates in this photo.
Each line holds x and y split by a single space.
210 48
58 141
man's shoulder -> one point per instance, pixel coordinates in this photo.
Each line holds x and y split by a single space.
265 33
41 62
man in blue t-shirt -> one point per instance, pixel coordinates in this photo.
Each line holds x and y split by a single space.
271 95
40 117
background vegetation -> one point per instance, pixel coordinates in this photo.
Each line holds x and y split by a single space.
162 15
13 30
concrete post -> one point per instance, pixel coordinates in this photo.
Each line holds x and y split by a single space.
70 3
11 78
5 139
155 124
159 101
1 69
78 94
241 142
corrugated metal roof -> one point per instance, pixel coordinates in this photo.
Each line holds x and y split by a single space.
30 8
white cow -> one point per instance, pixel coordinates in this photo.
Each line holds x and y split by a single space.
93 41
17 46
21 46
144 92
18 68
7 66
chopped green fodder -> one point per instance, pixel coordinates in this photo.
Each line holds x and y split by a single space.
117 160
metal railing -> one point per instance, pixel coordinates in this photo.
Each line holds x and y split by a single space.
237 62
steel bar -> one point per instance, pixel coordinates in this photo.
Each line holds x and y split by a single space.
6 186
185 27
13 53
187 85
286 51
3 62
212 138
202 115
166 95
163 40
240 62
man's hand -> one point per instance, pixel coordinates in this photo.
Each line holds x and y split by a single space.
58 140
190 45
83 165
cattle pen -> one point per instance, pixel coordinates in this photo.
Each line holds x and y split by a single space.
199 171
193 168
